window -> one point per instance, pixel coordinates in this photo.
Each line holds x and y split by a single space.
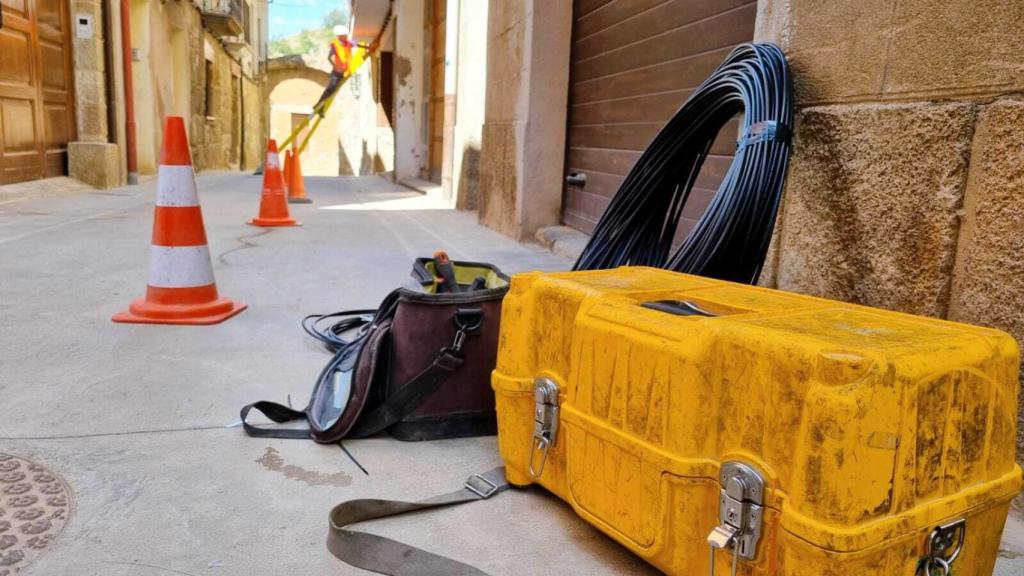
209 105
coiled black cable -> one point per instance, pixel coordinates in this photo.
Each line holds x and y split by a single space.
331 334
731 239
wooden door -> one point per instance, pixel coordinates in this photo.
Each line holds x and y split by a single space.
634 62
438 10
36 98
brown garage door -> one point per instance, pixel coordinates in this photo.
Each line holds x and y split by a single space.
634 62
36 108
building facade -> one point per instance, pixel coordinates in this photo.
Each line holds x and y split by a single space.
84 85
429 81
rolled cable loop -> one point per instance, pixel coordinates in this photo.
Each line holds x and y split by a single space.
731 238
332 334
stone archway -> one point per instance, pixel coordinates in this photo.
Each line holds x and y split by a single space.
347 140
290 67
292 88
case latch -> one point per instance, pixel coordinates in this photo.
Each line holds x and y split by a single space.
944 546
740 514
545 423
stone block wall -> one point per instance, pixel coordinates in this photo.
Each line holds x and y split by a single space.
171 79
906 184
257 124
213 148
524 132
92 158
234 134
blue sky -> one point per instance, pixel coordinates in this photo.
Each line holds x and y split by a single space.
290 16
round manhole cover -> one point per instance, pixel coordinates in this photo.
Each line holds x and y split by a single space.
34 506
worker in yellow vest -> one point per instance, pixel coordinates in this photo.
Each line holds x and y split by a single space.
345 57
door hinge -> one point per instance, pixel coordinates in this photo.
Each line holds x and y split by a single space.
545 423
740 513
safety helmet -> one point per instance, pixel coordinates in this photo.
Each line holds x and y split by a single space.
341 30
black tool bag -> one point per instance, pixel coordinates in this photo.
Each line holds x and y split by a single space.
418 366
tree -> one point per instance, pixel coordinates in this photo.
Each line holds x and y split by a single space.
312 42
340 15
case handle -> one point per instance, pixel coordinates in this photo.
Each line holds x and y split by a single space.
678 308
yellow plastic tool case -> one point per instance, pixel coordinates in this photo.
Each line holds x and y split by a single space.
704 423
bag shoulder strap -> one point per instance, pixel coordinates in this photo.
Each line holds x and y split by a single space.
387 556
278 413
408 397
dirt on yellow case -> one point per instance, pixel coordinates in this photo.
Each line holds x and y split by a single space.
701 422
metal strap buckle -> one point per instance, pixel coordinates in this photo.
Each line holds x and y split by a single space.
460 338
469 319
486 492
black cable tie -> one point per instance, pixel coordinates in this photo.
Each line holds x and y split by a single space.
352 458
762 132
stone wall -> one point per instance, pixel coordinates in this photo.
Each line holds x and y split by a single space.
234 134
256 125
92 158
213 145
356 128
411 84
523 137
470 95
170 79
906 185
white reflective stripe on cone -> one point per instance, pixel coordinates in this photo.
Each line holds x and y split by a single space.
273 160
176 186
180 266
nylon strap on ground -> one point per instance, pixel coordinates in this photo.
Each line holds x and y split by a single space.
387 556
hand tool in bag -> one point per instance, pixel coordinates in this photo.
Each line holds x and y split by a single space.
446 273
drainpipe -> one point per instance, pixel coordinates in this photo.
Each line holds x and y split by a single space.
108 65
241 121
129 92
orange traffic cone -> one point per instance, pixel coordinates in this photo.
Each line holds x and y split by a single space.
287 171
181 288
297 188
273 204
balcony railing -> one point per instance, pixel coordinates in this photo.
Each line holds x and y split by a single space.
222 17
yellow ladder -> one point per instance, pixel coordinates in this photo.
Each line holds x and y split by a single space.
357 61
358 58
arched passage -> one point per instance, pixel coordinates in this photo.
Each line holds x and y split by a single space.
346 143
291 67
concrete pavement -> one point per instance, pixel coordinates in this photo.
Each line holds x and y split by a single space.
134 417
